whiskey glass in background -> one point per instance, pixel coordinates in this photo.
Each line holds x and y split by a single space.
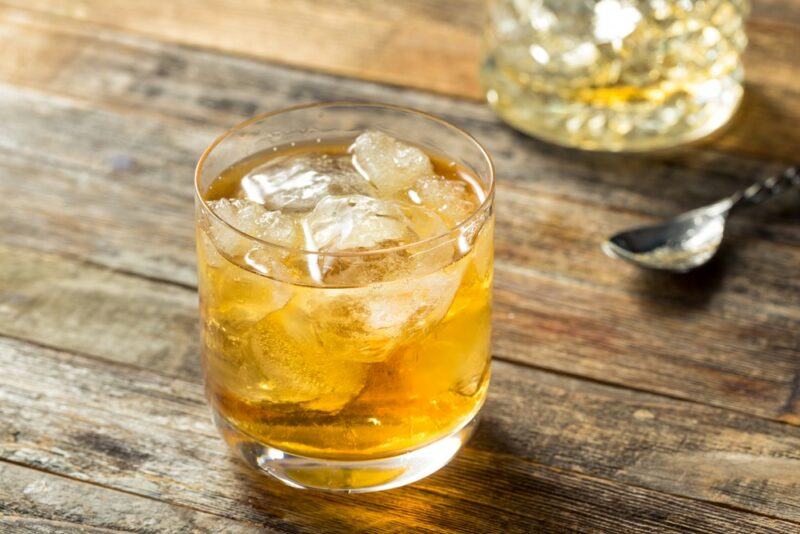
615 75
358 383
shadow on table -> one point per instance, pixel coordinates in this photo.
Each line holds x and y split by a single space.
456 497
680 293
264 500
491 436
762 127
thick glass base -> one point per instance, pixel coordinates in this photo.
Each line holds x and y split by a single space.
346 476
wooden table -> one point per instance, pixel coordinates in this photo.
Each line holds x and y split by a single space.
621 400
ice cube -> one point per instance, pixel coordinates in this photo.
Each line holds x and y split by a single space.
455 359
366 324
389 164
254 220
423 222
355 222
411 305
236 296
285 368
365 224
298 183
451 199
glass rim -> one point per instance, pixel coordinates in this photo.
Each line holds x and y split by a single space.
433 240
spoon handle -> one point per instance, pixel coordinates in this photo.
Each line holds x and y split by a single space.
766 189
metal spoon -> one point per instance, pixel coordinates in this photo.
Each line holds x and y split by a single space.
692 238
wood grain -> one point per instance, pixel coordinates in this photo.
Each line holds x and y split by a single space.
36 501
69 304
95 188
424 44
106 106
142 433
134 74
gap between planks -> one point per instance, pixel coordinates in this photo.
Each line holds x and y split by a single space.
74 101
350 57
122 491
430 490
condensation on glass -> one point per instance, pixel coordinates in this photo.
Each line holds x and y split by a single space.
615 74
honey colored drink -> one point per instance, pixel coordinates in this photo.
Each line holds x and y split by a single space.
615 74
345 294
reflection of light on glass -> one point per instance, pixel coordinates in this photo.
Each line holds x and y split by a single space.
444 449
463 244
313 259
476 187
539 54
614 20
360 169
581 56
438 454
253 262
541 18
264 461
275 454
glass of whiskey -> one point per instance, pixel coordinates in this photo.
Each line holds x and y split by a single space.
615 75
345 270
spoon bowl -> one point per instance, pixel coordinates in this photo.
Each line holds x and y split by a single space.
692 238
678 245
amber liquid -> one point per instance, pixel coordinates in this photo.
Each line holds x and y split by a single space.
298 367
633 75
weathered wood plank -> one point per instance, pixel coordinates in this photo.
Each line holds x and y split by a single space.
35 501
204 87
142 433
108 67
696 337
559 242
66 303
530 283
125 72
777 11
405 44
424 44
